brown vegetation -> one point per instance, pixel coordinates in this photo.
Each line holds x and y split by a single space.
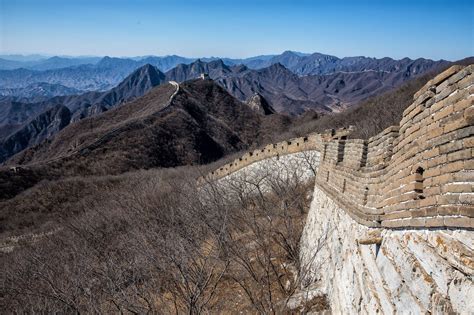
152 241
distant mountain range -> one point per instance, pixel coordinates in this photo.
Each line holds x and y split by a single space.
93 73
38 91
292 93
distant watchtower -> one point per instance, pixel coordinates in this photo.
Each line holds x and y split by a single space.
204 76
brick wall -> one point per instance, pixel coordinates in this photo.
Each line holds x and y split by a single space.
310 142
417 174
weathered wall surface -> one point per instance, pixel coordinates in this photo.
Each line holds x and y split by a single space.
391 225
311 142
260 176
417 174
410 271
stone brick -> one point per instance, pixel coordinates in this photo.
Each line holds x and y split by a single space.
445 75
452 167
456 125
432 172
469 165
441 159
429 201
437 80
434 222
396 215
459 155
466 211
464 176
467 81
450 147
466 198
468 142
469 115
446 92
448 210
448 199
463 104
457 188
431 153
445 111
462 222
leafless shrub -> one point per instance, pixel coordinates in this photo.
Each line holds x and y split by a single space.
165 245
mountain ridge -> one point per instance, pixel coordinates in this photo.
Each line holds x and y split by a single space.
102 74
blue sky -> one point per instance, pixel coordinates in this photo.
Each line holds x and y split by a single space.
419 28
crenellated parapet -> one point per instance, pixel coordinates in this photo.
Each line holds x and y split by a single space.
310 142
417 174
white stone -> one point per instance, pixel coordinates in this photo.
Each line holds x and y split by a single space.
411 274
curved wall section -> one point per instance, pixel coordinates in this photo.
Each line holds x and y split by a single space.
417 174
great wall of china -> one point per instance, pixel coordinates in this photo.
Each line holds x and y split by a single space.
417 174
390 227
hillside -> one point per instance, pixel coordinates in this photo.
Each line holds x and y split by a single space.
16 116
201 123
35 131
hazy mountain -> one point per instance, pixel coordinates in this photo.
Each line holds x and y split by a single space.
183 72
288 92
167 62
317 63
23 58
44 63
83 77
136 84
38 91
93 73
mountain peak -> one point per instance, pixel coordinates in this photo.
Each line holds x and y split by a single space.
141 80
289 52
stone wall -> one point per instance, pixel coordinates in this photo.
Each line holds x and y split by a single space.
375 270
390 226
310 142
417 174
263 176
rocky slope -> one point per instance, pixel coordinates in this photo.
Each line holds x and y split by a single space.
259 104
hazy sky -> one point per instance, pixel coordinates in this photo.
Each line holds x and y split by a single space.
418 28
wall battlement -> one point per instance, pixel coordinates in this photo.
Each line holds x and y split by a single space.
417 174
312 141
